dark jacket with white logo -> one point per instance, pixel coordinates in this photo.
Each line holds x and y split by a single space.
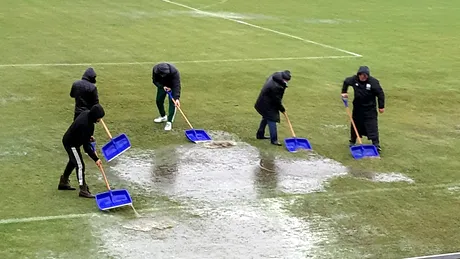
365 93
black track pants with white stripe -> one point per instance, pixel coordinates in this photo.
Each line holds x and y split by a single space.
75 162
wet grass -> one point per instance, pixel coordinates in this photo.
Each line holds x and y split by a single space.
386 224
411 47
48 239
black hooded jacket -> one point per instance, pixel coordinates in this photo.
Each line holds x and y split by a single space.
81 130
269 103
165 74
85 92
365 92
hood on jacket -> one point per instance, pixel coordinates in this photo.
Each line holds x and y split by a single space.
96 112
162 69
282 77
363 70
89 75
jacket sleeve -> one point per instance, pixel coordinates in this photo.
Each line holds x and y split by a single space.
89 150
87 145
153 77
175 86
346 83
378 91
154 81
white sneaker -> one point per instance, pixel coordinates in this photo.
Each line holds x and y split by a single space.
168 126
161 119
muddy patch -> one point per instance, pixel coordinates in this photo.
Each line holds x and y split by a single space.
219 144
218 135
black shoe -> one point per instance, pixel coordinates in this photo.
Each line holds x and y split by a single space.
351 143
262 137
276 143
64 184
377 145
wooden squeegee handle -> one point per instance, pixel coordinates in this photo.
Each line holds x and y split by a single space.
354 125
106 129
289 123
174 101
105 177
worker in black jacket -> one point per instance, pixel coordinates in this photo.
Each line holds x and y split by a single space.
86 96
77 135
269 104
166 78
366 90
85 92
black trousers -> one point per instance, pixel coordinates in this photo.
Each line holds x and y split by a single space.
271 127
75 162
366 122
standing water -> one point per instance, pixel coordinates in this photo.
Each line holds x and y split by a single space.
135 211
231 204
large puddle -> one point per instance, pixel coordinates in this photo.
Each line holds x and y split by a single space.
230 203
198 173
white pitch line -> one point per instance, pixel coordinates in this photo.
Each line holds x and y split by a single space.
46 218
175 62
440 256
71 216
262 28
341 195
